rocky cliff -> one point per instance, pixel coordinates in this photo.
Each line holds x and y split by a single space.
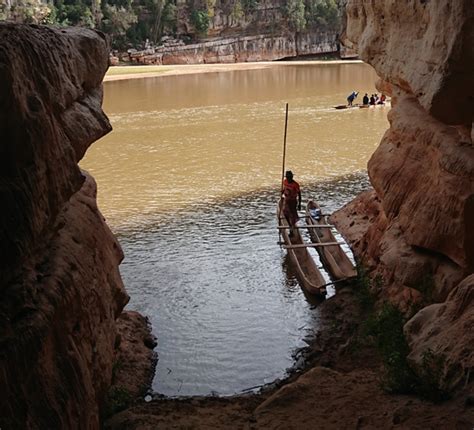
416 228
230 31
240 49
60 287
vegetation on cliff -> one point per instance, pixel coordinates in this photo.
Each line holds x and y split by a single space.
382 330
131 23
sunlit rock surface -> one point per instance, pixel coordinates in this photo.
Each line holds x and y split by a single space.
60 288
420 237
423 47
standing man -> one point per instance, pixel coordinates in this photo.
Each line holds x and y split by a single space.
351 97
292 202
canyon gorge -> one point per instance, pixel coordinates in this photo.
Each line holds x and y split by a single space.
62 328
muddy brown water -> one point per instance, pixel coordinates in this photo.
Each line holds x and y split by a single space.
188 181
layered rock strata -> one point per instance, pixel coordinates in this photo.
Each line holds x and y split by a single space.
241 49
418 224
60 287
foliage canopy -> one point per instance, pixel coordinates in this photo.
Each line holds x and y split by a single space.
132 22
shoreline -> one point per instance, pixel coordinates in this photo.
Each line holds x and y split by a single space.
186 69
341 374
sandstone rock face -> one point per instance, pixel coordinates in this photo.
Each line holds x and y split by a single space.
43 94
135 356
60 288
423 47
423 172
420 237
242 49
437 328
226 19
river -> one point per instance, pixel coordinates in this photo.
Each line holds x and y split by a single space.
188 181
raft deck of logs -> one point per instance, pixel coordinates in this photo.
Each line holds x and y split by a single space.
334 259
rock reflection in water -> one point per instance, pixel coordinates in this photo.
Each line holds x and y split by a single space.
221 296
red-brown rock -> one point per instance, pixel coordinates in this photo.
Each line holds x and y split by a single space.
447 331
50 112
421 240
60 287
423 47
423 170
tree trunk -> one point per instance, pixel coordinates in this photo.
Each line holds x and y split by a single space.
157 21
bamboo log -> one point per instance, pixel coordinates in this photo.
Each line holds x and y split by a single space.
283 227
312 245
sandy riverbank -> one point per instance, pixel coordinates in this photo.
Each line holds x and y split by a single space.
119 73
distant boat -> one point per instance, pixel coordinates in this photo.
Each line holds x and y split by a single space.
360 106
334 259
305 266
345 106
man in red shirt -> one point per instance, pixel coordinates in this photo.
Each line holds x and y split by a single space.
292 199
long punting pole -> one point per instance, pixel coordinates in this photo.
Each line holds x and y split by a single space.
284 149
283 168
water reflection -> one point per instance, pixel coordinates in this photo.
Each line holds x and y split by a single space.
189 140
292 284
223 300
280 82
189 182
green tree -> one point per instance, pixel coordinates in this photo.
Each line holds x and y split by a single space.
200 20
117 20
211 7
295 10
169 17
237 10
249 6
27 11
71 12
323 13
96 12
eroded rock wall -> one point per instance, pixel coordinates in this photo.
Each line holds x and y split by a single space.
420 234
263 47
60 288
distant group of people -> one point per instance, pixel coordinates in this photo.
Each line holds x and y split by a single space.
373 100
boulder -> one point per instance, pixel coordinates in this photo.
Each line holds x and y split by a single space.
446 330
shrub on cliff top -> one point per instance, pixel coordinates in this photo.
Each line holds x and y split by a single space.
323 13
200 21
249 5
295 10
